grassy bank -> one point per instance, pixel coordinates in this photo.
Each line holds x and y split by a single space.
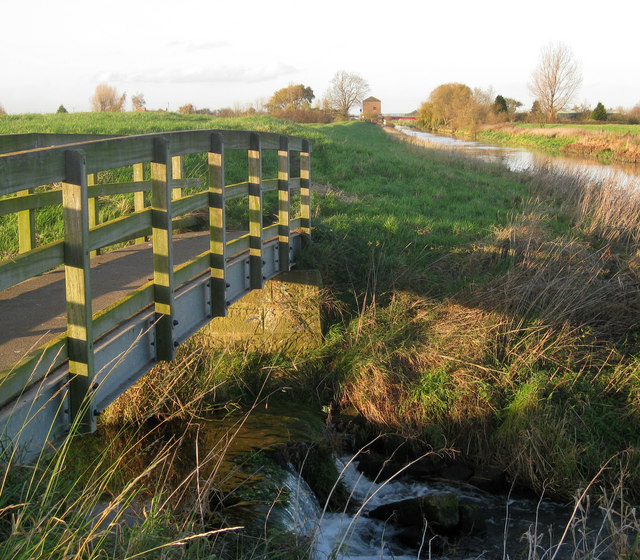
606 142
489 312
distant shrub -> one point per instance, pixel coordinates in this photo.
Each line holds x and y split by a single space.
2 111
187 109
371 116
599 113
633 115
500 105
304 115
61 110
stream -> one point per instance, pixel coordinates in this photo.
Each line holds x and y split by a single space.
522 159
511 527
248 459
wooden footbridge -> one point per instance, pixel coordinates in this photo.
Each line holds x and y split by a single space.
123 311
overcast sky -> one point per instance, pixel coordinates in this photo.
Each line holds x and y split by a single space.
217 53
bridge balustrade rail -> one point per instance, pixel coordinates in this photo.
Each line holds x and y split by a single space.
103 353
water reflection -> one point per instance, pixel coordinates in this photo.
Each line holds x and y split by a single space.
521 159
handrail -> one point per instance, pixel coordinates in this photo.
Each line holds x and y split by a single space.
25 170
74 165
10 143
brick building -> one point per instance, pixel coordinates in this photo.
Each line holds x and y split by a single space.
371 106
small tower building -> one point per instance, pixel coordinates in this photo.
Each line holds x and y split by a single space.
371 107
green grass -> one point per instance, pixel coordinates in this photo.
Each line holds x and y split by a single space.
550 143
124 123
405 211
614 128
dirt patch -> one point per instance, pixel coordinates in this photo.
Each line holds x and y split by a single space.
330 190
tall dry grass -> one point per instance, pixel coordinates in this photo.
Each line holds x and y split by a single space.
97 504
535 370
146 487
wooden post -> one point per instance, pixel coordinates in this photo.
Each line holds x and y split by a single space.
26 228
305 188
283 205
255 212
94 215
176 173
138 197
162 248
78 289
217 227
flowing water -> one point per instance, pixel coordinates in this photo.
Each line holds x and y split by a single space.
352 535
247 492
521 159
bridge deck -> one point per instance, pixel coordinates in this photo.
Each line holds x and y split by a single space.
36 308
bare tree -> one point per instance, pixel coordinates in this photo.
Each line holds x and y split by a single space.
105 98
556 79
138 102
346 90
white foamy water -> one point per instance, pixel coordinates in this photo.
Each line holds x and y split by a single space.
351 535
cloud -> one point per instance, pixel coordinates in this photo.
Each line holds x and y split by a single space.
212 74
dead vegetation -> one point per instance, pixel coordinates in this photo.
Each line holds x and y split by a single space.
536 370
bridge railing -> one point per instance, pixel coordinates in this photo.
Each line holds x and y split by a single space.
230 268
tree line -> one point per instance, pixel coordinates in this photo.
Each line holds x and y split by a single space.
293 102
554 84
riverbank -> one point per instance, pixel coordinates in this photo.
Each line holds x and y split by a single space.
606 143
488 315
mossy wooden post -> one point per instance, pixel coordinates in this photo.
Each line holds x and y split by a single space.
162 248
283 205
138 197
26 228
305 188
255 212
176 173
94 216
75 204
217 227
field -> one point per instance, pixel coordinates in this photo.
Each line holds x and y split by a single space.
489 313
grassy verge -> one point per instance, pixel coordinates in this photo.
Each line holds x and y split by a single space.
466 305
614 128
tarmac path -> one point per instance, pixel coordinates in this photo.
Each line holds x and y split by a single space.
34 311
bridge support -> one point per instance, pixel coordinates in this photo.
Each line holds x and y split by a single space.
284 315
